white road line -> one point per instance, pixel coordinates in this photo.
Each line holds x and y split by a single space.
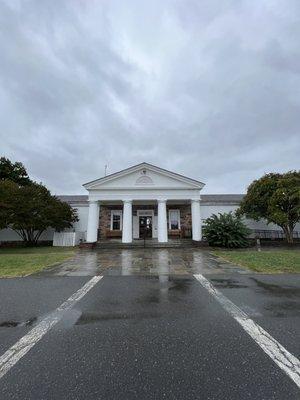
22 346
284 359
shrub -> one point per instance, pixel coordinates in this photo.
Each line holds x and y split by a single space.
226 230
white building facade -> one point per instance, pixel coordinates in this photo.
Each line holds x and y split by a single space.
144 201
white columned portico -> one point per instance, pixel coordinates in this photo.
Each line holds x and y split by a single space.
162 228
196 220
93 222
127 221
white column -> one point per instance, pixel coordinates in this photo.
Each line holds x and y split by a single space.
127 221
93 222
196 220
162 229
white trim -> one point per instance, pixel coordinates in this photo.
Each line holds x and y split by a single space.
193 182
116 212
144 195
140 187
145 213
77 205
178 211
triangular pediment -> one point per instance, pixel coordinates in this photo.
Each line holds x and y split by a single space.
144 176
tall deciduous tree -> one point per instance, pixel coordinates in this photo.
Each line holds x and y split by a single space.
14 172
275 198
29 210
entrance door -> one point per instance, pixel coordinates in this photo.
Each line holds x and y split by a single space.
145 227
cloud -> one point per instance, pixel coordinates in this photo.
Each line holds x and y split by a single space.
207 89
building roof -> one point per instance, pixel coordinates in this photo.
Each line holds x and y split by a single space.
222 198
205 199
72 199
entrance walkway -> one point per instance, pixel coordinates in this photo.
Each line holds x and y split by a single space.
169 261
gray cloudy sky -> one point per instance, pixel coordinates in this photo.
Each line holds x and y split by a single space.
209 89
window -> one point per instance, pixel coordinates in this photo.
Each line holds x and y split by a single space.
174 219
116 220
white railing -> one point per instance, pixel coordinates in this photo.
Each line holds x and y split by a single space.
67 238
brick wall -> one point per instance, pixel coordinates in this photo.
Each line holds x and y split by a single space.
185 216
104 219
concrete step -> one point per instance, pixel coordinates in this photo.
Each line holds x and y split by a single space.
150 243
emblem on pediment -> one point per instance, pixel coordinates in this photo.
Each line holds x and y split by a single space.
144 179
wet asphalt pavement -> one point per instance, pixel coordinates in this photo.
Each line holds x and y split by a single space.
150 337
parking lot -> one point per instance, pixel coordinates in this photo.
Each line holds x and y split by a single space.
172 326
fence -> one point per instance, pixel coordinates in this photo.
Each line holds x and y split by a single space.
67 238
272 234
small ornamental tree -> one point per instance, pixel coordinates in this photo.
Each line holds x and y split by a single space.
14 172
275 198
226 230
29 210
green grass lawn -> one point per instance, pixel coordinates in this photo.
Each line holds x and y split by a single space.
25 261
272 261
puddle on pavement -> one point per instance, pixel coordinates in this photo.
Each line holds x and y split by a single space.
227 284
149 298
166 289
179 285
90 318
250 311
14 324
163 288
9 324
277 290
284 309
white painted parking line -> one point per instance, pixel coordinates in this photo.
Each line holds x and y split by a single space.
284 359
22 346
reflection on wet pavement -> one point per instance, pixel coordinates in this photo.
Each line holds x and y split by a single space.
277 290
13 324
284 309
170 261
90 318
227 284
160 296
